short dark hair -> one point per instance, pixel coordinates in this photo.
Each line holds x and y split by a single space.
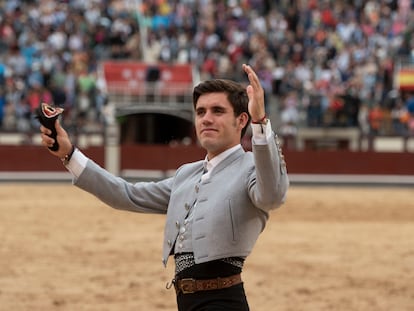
236 94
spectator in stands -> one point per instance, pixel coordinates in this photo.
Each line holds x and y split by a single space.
363 120
85 104
289 119
375 117
410 109
2 74
38 94
314 113
409 104
400 118
2 105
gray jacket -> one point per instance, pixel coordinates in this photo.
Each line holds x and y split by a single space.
232 205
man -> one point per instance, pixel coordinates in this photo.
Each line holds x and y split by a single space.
215 208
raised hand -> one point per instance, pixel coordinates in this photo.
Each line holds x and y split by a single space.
255 93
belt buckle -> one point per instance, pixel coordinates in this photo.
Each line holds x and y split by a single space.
187 286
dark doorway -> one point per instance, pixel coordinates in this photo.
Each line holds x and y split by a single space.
152 128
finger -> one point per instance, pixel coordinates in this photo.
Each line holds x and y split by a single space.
47 140
252 76
58 127
45 130
250 92
46 143
60 131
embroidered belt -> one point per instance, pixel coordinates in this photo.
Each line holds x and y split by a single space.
186 260
188 286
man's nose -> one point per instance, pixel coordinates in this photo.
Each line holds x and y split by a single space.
207 117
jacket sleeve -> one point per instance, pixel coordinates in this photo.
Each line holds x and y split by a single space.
144 197
269 182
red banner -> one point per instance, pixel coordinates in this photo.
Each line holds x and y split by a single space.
133 77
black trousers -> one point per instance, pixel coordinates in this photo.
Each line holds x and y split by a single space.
226 299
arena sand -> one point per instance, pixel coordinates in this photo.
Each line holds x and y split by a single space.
327 248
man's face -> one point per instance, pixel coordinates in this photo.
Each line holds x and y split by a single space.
216 126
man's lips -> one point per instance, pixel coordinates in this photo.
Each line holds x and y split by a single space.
207 130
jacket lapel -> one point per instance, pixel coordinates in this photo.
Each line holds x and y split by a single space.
227 161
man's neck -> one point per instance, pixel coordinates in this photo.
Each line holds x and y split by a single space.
218 157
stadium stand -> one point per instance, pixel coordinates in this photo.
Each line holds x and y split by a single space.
324 64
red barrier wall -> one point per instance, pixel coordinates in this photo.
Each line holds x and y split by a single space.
37 158
157 157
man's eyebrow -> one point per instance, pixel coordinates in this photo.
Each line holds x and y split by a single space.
214 106
218 105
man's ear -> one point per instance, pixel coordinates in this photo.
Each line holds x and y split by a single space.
243 119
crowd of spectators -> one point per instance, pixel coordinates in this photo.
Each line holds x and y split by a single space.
322 63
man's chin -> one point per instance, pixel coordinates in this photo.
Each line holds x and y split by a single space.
207 143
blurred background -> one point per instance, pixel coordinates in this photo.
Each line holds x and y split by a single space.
338 78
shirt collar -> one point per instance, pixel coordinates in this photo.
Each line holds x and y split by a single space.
209 165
